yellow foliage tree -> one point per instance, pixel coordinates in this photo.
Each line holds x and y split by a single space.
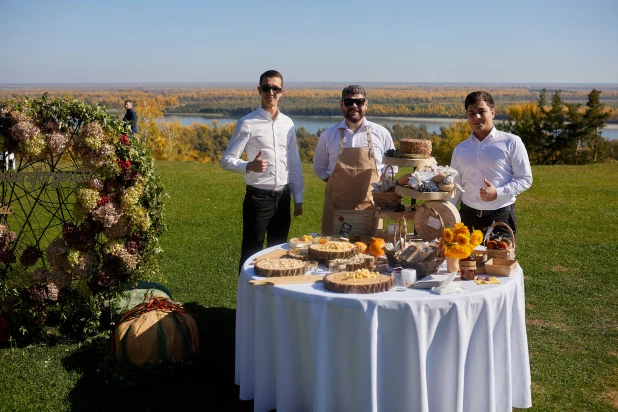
444 145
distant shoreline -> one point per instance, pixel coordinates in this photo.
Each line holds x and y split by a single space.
369 116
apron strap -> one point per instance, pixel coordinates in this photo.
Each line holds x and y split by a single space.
369 141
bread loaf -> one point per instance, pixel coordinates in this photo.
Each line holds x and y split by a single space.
415 146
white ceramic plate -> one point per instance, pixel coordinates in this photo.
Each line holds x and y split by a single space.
296 243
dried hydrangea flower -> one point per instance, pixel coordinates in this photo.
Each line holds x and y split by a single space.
39 275
56 254
108 214
82 264
52 292
60 278
38 295
139 217
56 142
86 200
30 255
96 184
24 131
121 229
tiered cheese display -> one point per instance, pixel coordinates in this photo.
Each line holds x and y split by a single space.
332 250
279 267
419 148
358 281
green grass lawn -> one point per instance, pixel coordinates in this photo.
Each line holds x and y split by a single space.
567 246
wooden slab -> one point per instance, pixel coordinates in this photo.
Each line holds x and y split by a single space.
335 282
427 223
415 194
402 161
287 280
279 267
317 252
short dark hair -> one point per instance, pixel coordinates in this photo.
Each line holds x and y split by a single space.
353 89
271 73
128 101
480 96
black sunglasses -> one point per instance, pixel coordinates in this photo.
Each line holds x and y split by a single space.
349 102
267 89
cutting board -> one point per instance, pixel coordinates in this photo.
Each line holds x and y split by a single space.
287 280
275 254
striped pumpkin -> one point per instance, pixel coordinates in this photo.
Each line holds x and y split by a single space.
160 330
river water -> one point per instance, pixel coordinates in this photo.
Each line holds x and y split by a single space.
313 123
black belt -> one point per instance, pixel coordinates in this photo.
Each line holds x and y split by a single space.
481 213
265 192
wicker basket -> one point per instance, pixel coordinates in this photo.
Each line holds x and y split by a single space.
386 199
422 268
502 254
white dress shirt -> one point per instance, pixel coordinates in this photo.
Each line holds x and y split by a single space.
501 158
328 147
277 140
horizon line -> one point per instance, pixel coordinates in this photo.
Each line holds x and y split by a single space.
333 83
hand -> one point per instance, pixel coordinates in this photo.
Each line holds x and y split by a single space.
488 193
298 209
257 165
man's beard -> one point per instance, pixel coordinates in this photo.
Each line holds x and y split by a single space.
353 116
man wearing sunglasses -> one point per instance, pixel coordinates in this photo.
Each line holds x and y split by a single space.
348 157
272 171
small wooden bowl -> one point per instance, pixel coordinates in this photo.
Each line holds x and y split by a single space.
446 187
438 178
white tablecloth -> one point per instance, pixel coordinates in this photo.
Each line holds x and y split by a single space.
302 348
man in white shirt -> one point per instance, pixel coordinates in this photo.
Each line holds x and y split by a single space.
268 138
493 168
348 157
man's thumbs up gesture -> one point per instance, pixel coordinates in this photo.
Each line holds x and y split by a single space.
257 164
488 193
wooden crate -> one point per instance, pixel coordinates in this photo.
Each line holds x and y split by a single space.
362 222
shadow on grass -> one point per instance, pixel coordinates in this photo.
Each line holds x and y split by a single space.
206 382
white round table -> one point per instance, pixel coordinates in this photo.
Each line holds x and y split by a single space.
303 348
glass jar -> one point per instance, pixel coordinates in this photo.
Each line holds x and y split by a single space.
467 267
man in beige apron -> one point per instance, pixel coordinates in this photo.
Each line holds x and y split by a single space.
348 157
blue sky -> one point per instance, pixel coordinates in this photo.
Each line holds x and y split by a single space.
87 41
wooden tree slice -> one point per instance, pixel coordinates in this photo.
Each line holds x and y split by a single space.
298 253
279 267
354 262
332 250
336 282
427 223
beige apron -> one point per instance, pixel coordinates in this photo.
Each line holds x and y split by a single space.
349 186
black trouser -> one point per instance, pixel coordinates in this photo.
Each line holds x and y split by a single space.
470 217
265 214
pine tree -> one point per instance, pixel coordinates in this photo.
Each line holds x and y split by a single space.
553 127
594 119
575 132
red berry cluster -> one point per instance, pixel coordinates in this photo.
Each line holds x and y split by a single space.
124 164
124 139
103 201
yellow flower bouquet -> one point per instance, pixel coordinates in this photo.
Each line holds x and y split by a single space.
458 242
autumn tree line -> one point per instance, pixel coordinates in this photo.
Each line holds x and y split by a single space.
564 128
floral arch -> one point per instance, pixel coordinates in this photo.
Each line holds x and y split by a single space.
81 213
